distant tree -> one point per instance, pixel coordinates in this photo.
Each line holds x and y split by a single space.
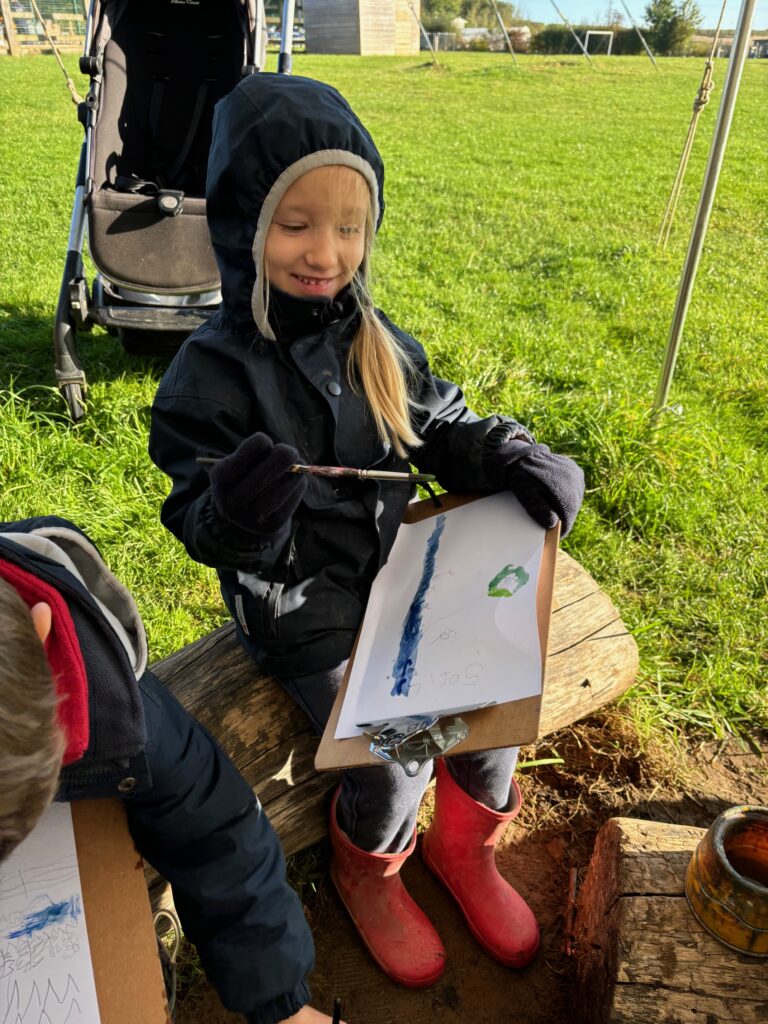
690 12
480 13
671 24
437 15
613 16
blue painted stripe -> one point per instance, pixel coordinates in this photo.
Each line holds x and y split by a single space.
405 663
54 913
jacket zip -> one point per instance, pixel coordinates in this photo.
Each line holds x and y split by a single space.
271 607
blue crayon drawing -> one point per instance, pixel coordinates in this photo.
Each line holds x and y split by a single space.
50 914
405 662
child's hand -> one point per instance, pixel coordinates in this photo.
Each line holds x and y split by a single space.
307 1015
253 487
548 486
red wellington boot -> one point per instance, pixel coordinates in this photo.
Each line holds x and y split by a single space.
458 848
397 933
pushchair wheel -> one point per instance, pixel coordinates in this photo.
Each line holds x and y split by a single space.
151 343
74 397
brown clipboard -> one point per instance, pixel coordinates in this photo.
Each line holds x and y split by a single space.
126 966
504 725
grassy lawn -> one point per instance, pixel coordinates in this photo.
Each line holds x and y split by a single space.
519 246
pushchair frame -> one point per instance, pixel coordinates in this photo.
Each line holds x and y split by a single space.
125 310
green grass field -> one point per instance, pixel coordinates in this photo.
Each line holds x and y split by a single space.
519 246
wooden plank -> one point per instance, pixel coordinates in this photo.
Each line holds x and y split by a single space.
570 585
9 27
642 957
406 27
39 47
635 1003
653 860
332 26
377 28
662 944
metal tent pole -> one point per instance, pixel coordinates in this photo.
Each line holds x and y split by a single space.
420 23
504 31
569 26
739 53
284 60
642 37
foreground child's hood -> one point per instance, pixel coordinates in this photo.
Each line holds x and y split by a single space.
267 132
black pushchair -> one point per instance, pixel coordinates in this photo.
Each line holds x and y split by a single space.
156 69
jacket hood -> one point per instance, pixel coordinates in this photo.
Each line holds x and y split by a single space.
269 131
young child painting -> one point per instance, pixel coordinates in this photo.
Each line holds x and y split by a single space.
299 366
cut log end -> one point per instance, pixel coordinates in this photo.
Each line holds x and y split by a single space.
642 958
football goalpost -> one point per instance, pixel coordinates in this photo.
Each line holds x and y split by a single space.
598 32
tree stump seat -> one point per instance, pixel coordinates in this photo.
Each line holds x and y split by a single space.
591 660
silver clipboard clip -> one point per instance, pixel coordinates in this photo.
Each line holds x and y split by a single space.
414 740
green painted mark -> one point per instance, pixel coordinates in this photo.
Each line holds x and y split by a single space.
514 575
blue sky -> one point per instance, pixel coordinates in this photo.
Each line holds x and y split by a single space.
594 10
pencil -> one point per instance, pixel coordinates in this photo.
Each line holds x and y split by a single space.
345 471
336 1011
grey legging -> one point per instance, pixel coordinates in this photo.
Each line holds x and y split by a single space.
377 806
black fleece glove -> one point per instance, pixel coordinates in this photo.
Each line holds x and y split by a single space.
548 486
253 487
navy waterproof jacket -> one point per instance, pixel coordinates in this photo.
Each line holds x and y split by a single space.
190 812
300 598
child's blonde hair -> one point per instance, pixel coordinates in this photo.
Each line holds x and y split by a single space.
377 364
31 741
377 367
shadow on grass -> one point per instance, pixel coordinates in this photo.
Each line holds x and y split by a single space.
26 353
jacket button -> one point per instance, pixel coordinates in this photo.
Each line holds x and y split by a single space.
126 785
334 387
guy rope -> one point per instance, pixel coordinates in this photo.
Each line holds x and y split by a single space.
702 99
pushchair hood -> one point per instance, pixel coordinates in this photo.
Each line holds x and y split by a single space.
165 65
267 132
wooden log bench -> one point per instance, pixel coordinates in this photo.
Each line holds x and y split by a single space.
591 660
642 957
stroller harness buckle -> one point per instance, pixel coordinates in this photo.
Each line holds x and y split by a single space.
170 202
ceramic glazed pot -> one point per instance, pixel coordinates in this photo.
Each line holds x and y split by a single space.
727 880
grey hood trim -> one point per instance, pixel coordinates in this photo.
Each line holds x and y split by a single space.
75 553
321 158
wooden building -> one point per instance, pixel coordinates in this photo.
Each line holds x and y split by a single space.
366 27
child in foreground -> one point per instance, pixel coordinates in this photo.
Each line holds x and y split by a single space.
81 717
299 367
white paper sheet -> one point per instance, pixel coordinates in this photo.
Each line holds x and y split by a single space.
46 975
451 620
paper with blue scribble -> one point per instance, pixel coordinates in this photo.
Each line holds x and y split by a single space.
451 621
46 975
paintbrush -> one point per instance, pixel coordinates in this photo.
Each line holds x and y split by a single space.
346 471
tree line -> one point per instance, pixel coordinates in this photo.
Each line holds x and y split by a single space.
669 24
